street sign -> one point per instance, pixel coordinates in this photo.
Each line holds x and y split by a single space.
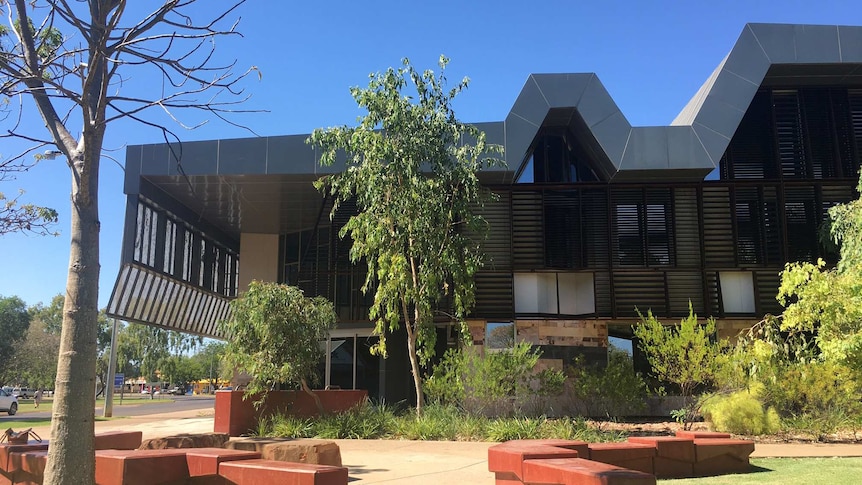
119 380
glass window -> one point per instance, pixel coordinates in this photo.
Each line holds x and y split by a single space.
499 335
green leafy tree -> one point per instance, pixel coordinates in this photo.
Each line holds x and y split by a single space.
274 335
828 301
18 217
683 354
211 362
73 60
35 360
412 171
14 321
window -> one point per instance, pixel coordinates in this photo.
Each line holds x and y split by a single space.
737 291
500 335
554 294
557 158
642 226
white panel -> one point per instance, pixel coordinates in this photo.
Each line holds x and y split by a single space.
737 291
526 292
535 293
577 295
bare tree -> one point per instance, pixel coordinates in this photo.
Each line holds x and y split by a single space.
71 58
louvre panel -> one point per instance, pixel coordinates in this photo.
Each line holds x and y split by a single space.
497 246
142 295
604 301
641 290
685 286
854 100
801 214
627 243
767 282
595 222
494 295
772 230
658 227
819 129
758 230
751 153
713 302
788 134
843 133
564 245
718 235
687 228
527 241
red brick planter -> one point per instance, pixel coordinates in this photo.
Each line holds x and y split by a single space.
235 416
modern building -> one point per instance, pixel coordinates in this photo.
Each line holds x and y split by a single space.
595 218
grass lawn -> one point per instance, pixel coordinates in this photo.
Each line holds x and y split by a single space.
787 471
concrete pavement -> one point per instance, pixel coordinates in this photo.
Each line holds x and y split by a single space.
414 462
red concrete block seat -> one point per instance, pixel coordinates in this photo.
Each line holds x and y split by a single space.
205 461
634 456
119 440
6 451
268 471
674 458
579 471
140 467
702 435
506 459
715 456
28 467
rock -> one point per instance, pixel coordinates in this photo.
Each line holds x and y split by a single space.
314 452
202 440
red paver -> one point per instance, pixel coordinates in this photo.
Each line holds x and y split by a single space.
634 456
582 472
249 472
509 457
140 467
205 461
702 435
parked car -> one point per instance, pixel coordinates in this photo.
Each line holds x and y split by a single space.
23 392
8 402
177 391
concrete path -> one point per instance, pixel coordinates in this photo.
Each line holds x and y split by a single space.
414 462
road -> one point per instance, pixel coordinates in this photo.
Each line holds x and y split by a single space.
163 405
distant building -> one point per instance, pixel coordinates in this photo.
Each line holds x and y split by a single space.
595 217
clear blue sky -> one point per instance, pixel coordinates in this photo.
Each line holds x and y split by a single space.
652 56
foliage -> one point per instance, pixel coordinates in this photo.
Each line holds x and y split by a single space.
274 335
14 321
610 391
438 422
35 359
493 383
829 301
683 355
76 61
413 175
17 217
812 389
740 413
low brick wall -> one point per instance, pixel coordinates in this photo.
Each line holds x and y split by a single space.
236 416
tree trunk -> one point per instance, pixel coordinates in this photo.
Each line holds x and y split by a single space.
71 456
313 396
414 366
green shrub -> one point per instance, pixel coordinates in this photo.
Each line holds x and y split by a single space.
365 421
612 391
739 413
505 429
285 426
437 422
813 388
503 383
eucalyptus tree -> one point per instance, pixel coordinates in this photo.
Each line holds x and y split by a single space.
73 59
412 169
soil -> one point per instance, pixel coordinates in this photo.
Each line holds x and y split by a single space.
665 428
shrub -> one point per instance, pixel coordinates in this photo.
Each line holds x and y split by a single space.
812 389
494 383
365 421
739 413
505 429
612 391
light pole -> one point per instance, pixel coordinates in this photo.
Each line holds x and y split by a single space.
108 411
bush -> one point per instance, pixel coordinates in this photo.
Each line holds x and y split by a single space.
814 388
612 391
739 413
504 383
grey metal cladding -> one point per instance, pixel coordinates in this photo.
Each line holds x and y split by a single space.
289 155
242 156
647 148
850 43
195 158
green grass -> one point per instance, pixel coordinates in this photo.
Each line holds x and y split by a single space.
787 471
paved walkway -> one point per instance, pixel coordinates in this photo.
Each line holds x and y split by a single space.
414 462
